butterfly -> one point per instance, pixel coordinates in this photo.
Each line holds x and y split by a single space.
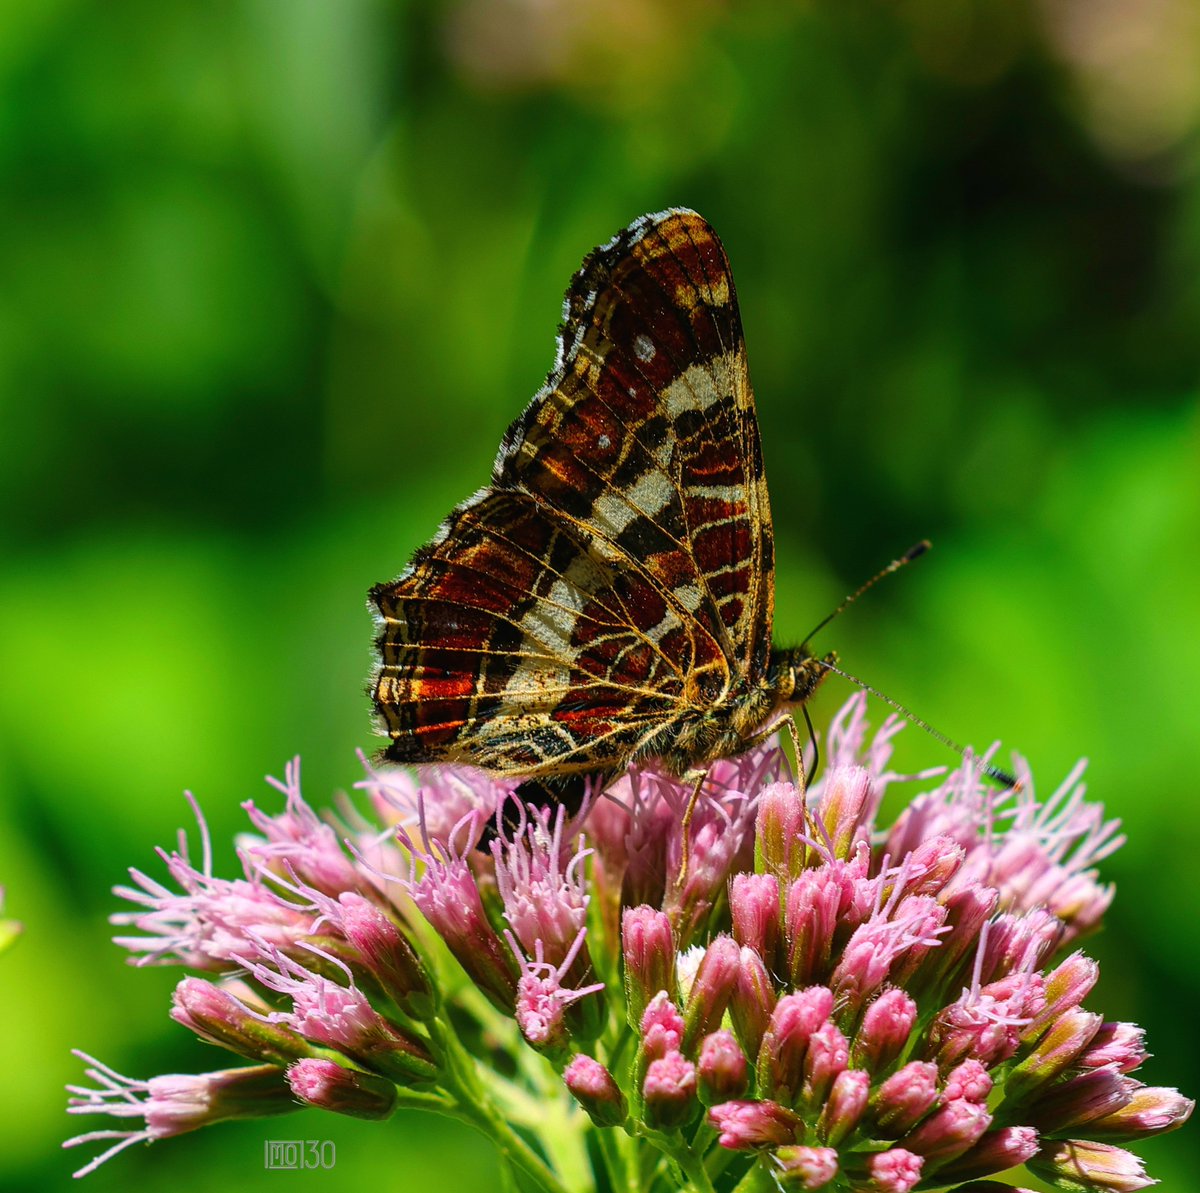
608 597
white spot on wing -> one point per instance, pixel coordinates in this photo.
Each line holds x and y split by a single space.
643 349
715 294
550 621
548 626
650 494
701 386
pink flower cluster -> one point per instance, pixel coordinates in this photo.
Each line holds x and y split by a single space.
753 977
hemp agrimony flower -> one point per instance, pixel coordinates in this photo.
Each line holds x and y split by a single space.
776 990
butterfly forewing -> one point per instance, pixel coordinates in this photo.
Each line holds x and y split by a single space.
647 431
620 563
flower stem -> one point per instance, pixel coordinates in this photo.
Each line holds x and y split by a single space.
473 1104
618 1150
512 1148
690 1163
756 1180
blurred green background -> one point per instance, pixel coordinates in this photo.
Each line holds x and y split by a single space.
275 276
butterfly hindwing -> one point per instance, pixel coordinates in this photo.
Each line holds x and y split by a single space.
508 645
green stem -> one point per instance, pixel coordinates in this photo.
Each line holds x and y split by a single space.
756 1180
690 1164
410 1099
512 1148
473 1104
614 1146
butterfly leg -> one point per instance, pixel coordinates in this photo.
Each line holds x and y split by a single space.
790 721
804 776
685 828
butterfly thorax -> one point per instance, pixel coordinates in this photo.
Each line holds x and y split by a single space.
735 721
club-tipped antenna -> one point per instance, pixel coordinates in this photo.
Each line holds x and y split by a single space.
995 773
914 552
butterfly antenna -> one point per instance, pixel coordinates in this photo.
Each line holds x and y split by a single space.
912 553
995 773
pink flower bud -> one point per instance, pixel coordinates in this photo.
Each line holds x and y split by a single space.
845 1105
712 988
971 1081
540 1010
827 1056
755 910
1060 1047
749 1125
967 910
950 1131
1020 941
929 867
721 1067
894 1171
847 800
330 1086
906 1097
781 1055
814 901
1098 1166
662 1028
1120 1044
1068 1105
753 1001
805 1167
986 1022
1066 987
595 1090
385 953
648 946
885 1029
996 1151
216 1016
1151 1110
669 1090
449 899
893 944
780 829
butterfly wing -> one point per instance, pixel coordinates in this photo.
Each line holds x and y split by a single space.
619 568
646 432
510 645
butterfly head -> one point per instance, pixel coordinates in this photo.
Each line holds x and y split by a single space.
795 675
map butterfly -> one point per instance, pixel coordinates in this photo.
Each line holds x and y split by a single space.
609 596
